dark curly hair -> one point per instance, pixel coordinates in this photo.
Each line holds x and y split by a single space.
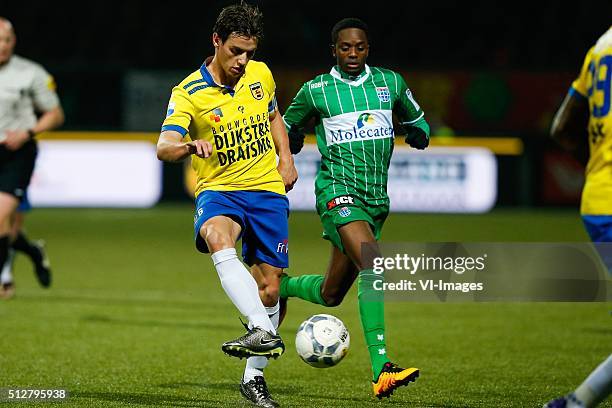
240 19
349 23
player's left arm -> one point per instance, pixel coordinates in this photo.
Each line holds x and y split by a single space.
411 116
286 166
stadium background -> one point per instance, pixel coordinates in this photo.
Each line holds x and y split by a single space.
130 321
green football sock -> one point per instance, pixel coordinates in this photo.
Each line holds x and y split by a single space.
372 313
307 287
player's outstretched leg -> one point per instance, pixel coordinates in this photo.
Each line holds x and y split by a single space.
241 288
306 287
328 290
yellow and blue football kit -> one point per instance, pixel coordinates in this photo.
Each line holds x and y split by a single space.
240 179
236 122
594 84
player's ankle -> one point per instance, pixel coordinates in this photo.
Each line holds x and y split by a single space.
250 373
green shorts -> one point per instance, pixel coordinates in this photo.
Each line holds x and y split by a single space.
344 209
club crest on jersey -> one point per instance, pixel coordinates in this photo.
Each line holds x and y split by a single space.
383 94
339 201
216 115
257 91
344 212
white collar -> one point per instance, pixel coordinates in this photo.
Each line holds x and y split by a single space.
364 76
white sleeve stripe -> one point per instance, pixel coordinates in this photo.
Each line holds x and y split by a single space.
410 122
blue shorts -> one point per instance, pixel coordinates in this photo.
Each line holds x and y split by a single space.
599 227
263 216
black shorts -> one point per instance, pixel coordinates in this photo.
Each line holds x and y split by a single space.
16 168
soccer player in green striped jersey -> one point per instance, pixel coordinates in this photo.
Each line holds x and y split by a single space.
353 108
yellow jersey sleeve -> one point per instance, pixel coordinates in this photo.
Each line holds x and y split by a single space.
180 112
581 85
269 86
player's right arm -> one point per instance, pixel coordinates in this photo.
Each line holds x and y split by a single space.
172 146
301 110
569 126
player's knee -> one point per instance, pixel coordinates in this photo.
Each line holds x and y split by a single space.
332 297
216 239
333 301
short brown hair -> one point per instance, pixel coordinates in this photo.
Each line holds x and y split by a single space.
241 19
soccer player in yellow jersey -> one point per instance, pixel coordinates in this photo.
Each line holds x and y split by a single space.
587 109
586 113
225 117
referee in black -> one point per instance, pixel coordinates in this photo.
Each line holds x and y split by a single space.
28 105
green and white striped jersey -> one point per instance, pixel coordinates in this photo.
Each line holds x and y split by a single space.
354 129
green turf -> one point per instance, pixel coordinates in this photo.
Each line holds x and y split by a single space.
136 317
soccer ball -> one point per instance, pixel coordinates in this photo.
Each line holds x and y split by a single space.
322 341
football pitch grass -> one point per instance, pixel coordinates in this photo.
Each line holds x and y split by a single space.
136 317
